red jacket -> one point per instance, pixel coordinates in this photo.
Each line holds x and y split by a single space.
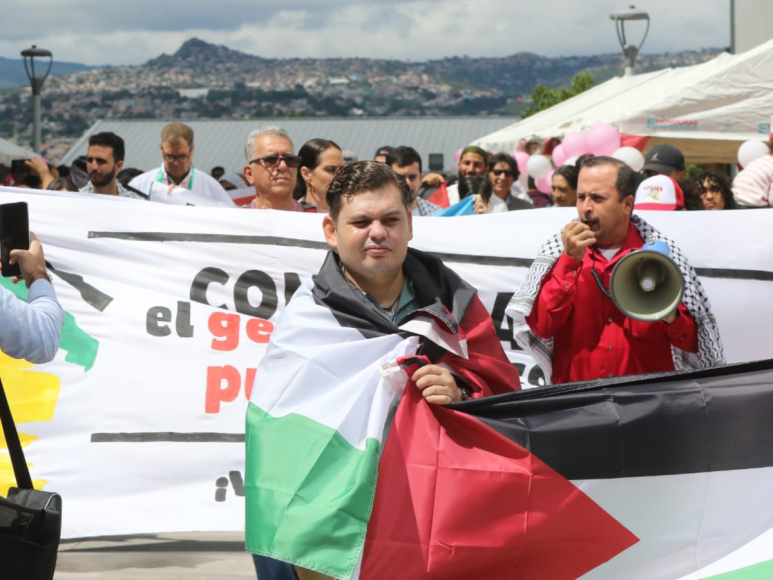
592 337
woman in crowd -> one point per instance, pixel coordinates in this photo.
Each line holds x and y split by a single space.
503 173
712 191
564 186
320 161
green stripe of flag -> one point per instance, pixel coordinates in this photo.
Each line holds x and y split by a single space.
761 571
309 492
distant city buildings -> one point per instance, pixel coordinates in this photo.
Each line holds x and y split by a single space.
203 81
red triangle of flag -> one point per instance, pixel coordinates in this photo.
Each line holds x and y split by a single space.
455 499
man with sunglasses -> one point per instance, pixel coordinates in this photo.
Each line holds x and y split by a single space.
272 168
177 170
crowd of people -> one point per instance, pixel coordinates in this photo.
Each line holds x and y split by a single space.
563 314
276 177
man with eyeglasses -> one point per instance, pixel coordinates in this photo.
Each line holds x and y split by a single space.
104 160
177 170
272 168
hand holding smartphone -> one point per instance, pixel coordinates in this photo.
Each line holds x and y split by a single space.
14 234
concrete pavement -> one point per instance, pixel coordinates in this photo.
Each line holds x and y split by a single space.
188 556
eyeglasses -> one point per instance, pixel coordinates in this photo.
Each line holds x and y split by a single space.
499 172
272 161
172 158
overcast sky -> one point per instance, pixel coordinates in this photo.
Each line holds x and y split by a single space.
109 32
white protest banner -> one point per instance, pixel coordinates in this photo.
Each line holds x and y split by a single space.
139 421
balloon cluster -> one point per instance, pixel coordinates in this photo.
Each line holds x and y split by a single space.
601 139
751 150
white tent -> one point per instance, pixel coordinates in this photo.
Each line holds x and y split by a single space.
10 151
707 110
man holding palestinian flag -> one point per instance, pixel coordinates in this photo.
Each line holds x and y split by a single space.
378 318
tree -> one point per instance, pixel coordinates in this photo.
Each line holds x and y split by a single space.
544 97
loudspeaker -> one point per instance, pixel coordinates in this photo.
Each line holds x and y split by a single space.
647 284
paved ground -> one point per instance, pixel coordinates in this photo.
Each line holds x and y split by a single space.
190 556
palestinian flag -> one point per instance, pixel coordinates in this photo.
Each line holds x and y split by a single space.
324 395
664 476
653 477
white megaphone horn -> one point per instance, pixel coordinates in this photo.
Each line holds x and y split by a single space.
647 284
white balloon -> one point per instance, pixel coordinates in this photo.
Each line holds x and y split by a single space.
571 161
631 157
751 150
538 166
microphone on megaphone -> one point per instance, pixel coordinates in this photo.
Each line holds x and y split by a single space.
647 284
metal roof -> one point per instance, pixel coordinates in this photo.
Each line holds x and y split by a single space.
222 142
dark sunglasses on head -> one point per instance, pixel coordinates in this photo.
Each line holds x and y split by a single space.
271 161
499 172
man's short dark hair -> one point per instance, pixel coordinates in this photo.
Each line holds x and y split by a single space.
570 173
365 176
627 181
504 158
385 150
404 156
108 139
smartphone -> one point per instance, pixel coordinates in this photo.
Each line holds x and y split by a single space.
14 234
18 166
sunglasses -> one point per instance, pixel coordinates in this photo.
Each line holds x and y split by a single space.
272 161
499 172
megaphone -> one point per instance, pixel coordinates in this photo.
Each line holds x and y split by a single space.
647 284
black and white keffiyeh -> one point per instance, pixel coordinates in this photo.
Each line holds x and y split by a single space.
710 351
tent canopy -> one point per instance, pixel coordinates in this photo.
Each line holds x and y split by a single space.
707 110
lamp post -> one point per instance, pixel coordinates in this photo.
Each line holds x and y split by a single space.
629 51
36 82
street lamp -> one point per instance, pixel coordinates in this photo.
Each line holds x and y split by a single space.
36 82
629 51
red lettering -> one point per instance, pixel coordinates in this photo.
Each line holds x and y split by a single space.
216 393
224 326
249 382
259 330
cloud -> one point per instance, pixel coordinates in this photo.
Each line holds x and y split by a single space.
131 33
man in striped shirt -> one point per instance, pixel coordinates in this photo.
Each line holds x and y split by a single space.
753 187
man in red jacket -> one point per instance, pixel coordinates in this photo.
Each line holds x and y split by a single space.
563 315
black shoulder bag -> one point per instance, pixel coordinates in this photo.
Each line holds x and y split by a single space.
30 520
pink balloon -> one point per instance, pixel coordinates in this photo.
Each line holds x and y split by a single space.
559 155
458 155
544 185
603 139
575 144
522 158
